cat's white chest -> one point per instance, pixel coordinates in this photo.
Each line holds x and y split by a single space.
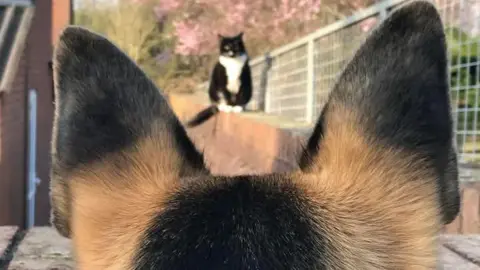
233 67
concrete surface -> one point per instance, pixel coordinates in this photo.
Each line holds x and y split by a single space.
467 245
6 233
450 260
43 248
6 236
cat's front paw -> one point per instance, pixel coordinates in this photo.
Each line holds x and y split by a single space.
237 109
224 108
228 109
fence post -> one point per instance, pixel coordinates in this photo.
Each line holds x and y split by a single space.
264 83
383 14
310 106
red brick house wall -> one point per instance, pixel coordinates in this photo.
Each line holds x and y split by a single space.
39 77
33 73
54 15
61 16
12 150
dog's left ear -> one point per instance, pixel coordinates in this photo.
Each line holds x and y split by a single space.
106 105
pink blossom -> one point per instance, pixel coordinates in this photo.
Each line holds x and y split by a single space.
169 5
196 22
367 24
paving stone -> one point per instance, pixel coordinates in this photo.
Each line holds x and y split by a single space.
468 245
43 248
6 234
449 260
470 211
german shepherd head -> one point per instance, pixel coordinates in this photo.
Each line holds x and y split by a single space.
378 176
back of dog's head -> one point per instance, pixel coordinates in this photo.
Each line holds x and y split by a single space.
378 176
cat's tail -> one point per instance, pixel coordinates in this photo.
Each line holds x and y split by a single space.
202 116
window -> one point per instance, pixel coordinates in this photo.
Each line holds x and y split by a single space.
15 19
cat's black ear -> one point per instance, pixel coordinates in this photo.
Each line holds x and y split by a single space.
106 105
220 37
394 94
240 35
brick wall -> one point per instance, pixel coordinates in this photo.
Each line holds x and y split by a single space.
39 77
33 73
61 14
12 150
238 144
468 221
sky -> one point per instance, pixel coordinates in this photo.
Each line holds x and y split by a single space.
77 3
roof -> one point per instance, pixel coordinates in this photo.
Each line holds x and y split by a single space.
15 20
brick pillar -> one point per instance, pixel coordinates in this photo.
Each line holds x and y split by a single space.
61 16
51 16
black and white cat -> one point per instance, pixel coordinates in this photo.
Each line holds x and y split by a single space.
231 86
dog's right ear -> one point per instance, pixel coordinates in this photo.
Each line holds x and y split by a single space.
109 112
393 94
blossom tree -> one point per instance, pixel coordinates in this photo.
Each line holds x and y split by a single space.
197 23
176 40
267 23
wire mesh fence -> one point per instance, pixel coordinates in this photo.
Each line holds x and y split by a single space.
294 80
462 28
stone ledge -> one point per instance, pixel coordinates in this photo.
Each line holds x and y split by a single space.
450 260
273 144
467 245
248 134
43 248
6 235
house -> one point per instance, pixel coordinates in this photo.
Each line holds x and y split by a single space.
28 31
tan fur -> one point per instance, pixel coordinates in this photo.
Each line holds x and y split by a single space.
367 196
376 207
113 202
59 191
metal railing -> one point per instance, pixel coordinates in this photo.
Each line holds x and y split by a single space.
294 80
300 74
462 27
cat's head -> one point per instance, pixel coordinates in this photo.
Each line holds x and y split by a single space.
232 46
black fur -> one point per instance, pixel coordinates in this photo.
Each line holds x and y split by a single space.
218 86
229 47
105 103
232 46
202 116
401 102
396 85
240 223
404 94
112 108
